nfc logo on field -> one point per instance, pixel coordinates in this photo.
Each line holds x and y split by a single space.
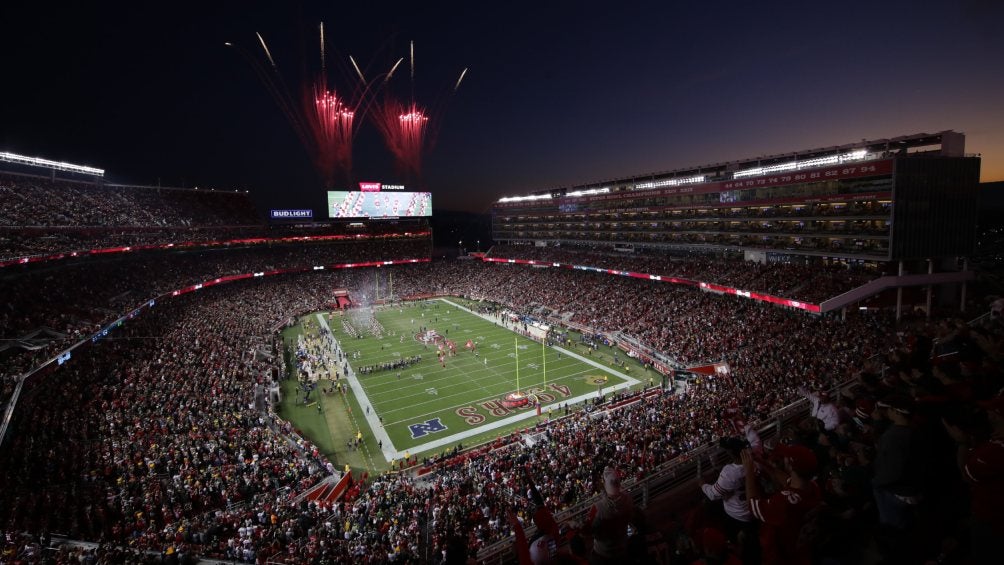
429 427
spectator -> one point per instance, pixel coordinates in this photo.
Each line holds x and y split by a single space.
822 408
609 519
730 488
982 466
787 515
898 468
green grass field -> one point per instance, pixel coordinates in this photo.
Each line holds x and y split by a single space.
426 408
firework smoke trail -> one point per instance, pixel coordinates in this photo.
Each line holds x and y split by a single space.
392 69
412 48
274 85
462 74
267 52
323 70
323 118
358 72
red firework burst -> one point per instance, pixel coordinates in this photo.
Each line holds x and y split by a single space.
409 129
404 128
331 124
323 119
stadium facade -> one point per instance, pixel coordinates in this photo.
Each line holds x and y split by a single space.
909 197
906 206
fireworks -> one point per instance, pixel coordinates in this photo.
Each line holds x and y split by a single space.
392 69
331 124
403 128
326 119
265 47
322 117
356 67
406 126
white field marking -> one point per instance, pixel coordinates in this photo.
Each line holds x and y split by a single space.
474 431
507 421
389 451
491 396
453 382
371 415
472 366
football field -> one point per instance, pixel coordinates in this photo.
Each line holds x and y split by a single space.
421 407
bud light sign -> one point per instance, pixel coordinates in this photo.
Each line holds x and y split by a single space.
291 214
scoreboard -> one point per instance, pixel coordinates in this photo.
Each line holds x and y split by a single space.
359 204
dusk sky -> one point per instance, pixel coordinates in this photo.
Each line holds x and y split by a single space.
557 93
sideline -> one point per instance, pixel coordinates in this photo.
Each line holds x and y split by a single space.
391 453
357 389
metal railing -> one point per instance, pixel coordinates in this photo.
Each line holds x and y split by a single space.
664 479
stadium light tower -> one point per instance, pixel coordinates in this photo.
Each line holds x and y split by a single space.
49 164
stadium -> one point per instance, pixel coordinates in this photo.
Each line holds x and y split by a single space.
193 381
352 284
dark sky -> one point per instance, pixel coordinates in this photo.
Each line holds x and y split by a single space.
557 93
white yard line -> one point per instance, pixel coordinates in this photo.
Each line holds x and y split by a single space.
509 420
423 395
631 380
391 453
628 382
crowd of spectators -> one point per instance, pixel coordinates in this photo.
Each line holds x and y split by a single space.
39 201
808 283
157 443
904 465
158 430
44 217
802 226
79 297
21 243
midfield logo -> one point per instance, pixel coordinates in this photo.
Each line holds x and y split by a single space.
429 427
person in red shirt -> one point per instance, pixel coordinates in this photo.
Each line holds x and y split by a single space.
982 466
788 514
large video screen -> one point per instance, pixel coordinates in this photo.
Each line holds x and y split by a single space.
378 204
